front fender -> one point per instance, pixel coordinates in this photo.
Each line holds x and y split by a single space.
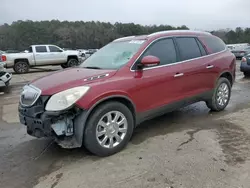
91 99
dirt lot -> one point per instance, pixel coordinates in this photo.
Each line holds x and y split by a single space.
188 148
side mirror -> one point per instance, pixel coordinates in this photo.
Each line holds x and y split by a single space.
149 61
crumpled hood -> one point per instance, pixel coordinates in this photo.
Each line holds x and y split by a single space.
69 78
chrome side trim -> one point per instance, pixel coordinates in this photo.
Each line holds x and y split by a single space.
39 92
179 62
178 75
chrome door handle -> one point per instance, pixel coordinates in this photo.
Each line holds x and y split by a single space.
178 75
209 66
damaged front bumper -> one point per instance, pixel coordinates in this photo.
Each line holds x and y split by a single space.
66 127
5 77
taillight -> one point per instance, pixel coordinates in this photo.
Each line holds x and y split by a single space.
244 59
4 58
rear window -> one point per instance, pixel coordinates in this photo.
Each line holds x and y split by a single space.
188 47
41 49
214 44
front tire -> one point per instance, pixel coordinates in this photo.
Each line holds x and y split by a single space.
109 129
21 67
221 95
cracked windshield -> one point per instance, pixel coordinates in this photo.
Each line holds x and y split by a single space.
122 94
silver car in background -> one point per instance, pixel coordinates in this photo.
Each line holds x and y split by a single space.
239 53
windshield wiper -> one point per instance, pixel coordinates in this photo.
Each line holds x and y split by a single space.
92 67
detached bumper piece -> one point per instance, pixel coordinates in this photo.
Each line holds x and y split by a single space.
56 125
5 79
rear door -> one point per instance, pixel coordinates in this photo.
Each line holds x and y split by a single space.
42 55
193 64
215 60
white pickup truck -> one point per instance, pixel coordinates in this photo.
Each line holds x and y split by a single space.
41 55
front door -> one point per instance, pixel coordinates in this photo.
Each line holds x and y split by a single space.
160 85
56 55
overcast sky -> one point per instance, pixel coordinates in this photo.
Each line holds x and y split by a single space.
196 14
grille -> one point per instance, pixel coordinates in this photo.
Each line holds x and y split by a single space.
2 73
29 95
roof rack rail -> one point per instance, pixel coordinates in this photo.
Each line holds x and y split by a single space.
128 37
172 31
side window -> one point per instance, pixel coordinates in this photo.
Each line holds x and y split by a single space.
54 49
163 49
41 49
188 48
30 49
202 49
215 44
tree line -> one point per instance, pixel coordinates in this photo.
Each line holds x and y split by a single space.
84 35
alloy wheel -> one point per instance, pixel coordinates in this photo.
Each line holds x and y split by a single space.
222 94
111 129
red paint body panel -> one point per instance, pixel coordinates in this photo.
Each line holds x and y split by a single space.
68 78
147 89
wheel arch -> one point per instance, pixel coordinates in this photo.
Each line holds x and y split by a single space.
227 75
72 57
21 59
119 98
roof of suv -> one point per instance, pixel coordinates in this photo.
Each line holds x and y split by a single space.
165 33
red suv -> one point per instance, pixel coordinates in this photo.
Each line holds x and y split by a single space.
130 80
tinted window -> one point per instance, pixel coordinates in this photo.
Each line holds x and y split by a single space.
54 49
203 51
164 50
188 47
30 49
41 49
215 44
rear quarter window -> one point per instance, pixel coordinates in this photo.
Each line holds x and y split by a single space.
214 44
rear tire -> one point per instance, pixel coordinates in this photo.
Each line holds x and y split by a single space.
221 95
246 74
72 62
64 65
102 125
21 67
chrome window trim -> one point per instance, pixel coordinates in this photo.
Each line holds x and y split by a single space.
179 62
35 88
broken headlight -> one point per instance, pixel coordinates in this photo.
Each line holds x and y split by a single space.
65 99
